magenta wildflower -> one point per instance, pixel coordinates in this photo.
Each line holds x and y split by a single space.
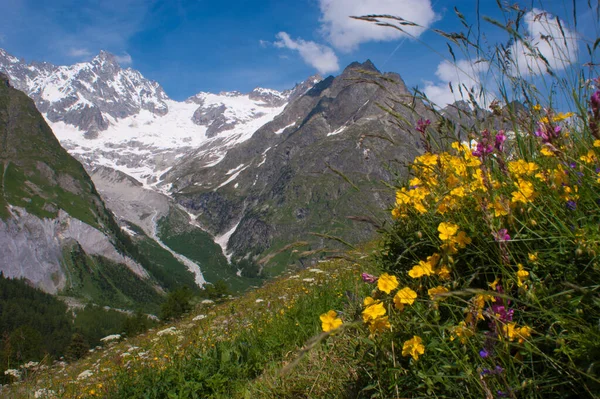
422 125
484 145
501 235
369 278
500 139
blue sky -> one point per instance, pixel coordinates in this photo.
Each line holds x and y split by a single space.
202 45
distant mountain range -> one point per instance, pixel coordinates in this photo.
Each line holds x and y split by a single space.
251 172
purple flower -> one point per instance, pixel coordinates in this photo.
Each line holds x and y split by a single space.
483 353
571 205
501 235
547 133
499 310
595 102
557 130
368 278
422 125
483 146
500 139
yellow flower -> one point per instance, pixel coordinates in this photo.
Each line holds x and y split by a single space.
428 159
522 168
387 283
500 208
537 107
405 296
380 324
533 257
478 303
512 332
524 333
561 116
413 347
373 311
596 143
462 332
494 283
330 321
434 293
397 213
368 301
447 230
458 192
547 152
449 247
462 239
522 275
509 330
443 272
525 192
589 158
420 270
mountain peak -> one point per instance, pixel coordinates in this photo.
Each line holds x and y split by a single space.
367 65
104 57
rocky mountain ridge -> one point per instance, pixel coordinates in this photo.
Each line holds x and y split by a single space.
109 116
258 170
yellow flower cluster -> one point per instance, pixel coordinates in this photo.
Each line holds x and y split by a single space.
512 332
440 182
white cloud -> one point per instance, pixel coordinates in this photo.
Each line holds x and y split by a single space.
79 53
544 34
463 76
124 59
346 33
321 57
264 43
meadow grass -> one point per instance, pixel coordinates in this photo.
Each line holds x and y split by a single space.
215 352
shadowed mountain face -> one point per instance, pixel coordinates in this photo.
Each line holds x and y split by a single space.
317 163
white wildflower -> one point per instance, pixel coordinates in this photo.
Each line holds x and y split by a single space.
13 373
316 271
308 280
167 331
207 301
85 374
259 300
113 337
199 317
44 393
29 365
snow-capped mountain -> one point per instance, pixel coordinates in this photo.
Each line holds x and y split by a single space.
109 116
252 172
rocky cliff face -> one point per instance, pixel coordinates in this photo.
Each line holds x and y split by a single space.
54 228
289 178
